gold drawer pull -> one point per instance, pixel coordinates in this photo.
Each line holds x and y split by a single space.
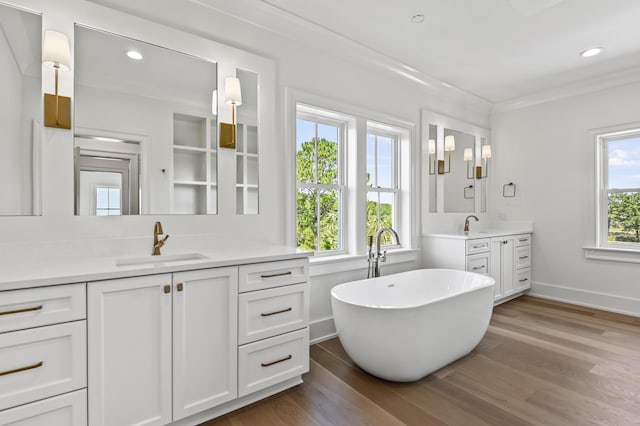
19 311
524 257
267 364
475 268
18 370
281 274
276 312
524 279
523 240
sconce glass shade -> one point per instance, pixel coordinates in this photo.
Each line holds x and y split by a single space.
486 151
432 146
449 143
232 93
56 52
468 154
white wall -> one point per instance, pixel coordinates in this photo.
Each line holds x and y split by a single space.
543 149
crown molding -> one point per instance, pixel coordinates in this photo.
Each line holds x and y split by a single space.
271 18
581 87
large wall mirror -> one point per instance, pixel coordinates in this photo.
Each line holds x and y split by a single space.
455 175
145 132
20 111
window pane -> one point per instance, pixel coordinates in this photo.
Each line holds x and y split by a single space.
307 219
102 198
305 151
372 214
102 212
385 162
327 154
386 215
329 220
624 163
114 198
371 161
624 218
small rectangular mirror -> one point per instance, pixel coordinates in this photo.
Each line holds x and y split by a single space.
21 111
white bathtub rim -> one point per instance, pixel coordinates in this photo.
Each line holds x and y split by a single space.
490 282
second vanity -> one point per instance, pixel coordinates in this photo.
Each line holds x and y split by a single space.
503 255
151 343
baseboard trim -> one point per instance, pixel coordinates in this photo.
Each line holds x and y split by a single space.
590 299
321 330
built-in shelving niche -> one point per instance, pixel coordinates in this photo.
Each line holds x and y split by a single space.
246 169
194 188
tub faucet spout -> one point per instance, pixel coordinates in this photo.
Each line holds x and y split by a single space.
381 256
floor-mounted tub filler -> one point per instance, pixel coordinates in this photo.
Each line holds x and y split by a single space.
404 326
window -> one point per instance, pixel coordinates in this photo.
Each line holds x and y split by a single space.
619 190
319 183
382 187
353 176
108 201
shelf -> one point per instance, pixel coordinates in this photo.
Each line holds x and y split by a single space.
192 149
190 182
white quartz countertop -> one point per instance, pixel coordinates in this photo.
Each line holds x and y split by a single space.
471 235
39 273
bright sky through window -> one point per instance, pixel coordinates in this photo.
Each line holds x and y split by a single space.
624 163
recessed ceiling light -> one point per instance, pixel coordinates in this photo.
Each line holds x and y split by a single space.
417 18
134 54
591 52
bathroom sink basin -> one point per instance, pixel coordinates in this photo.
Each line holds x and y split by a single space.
159 260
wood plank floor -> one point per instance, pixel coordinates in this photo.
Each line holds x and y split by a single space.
540 363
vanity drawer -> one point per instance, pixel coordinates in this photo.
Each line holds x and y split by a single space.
522 240
65 410
42 362
34 307
523 257
523 279
267 313
478 263
259 276
480 245
271 361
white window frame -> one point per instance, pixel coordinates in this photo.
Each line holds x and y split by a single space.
109 209
374 130
604 190
597 245
358 121
319 116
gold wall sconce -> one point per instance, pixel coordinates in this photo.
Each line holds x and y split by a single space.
441 166
480 171
56 54
233 96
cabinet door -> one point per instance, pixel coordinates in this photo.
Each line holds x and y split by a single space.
204 339
129 335
508 266
495 269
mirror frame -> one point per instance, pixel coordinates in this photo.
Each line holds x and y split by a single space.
442 121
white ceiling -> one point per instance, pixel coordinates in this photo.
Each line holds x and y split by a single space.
499 50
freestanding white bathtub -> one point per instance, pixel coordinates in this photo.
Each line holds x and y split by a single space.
404 326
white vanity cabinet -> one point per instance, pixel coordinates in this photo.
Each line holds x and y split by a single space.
43 356
504 257
161 347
